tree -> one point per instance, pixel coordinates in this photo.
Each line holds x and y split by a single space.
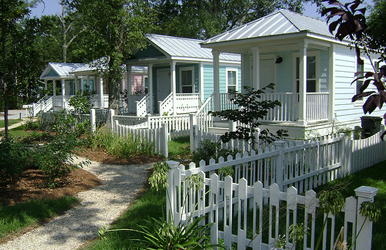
12 12
203 19
351 23
114 29
377 24
251 109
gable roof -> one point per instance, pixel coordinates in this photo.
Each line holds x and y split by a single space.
56 70
180 47
278 23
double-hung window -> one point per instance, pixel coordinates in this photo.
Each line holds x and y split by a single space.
186 77
312 79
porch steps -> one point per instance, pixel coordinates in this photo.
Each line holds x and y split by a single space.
219 127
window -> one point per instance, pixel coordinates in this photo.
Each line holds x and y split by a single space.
231 80
186 77
311 74
359 83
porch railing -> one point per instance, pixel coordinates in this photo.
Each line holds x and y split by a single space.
184 103
203 119
143 106
316 106
132 102
166 106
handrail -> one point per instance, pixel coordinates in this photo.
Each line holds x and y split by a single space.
143 106
166 105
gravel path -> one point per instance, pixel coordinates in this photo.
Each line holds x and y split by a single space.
99 207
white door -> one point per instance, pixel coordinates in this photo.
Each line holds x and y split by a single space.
163 84
267 73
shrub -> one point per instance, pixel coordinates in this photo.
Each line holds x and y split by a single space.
209 149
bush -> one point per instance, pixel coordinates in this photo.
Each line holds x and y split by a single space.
14 158
209 149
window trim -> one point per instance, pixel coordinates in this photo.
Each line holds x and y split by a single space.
191 68
227 69
317 70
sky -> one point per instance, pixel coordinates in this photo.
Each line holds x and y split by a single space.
51 7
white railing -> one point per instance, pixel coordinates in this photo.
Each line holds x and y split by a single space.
204 120
132 102
166 106
43 105
187 103
317 106
173 122
288 111
129 120
225 101
143 106
254 216
158 136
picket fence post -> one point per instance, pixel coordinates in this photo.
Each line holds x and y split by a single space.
364 239
347 151
111 119
279 145
92 120
164 140
170 195
193 132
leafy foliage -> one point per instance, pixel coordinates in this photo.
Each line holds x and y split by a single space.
81 102
251 109
351 23
209 149
159 177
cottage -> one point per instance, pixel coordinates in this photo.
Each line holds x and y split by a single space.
312 71
180 75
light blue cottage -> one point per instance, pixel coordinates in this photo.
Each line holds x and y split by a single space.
311 69
180 75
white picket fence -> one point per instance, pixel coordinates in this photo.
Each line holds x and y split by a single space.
253 216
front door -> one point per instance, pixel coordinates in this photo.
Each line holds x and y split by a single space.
163 84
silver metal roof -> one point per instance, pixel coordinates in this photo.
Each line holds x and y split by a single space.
278 23
61 69
186 47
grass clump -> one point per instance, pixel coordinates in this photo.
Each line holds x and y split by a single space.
14 218
123 147
10 122
179 148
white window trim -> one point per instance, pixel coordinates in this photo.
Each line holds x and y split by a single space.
317 58
227 69
193 83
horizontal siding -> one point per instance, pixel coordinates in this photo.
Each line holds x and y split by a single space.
208 80
345 68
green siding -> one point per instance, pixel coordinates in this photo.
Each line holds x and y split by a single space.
52 73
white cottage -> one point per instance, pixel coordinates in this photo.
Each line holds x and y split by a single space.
312 71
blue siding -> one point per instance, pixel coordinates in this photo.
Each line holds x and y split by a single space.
323 69
52 73
284 73
208 80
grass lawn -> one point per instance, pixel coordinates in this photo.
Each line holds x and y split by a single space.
10 122
15 218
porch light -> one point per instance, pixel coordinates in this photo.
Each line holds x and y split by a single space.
279 59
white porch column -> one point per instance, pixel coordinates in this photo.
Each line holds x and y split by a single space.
243 70
302 82
81 85
45 87
173 84
63 94
331 83
54 87
201 81
129 83
150 73
216 79
101 91
256 67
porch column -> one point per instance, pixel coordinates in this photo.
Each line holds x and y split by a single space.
256 67
243 70
302 83
129 83
81 85
45 87
75 83
216 80
173 85
88 82
201 81
54 87
331 83
101 91
150 73
63 93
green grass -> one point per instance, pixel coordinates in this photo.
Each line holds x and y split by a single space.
14 218
374 176
150 204
10 122
179 149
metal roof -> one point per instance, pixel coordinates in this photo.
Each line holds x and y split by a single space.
186 47
61 69
278 23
